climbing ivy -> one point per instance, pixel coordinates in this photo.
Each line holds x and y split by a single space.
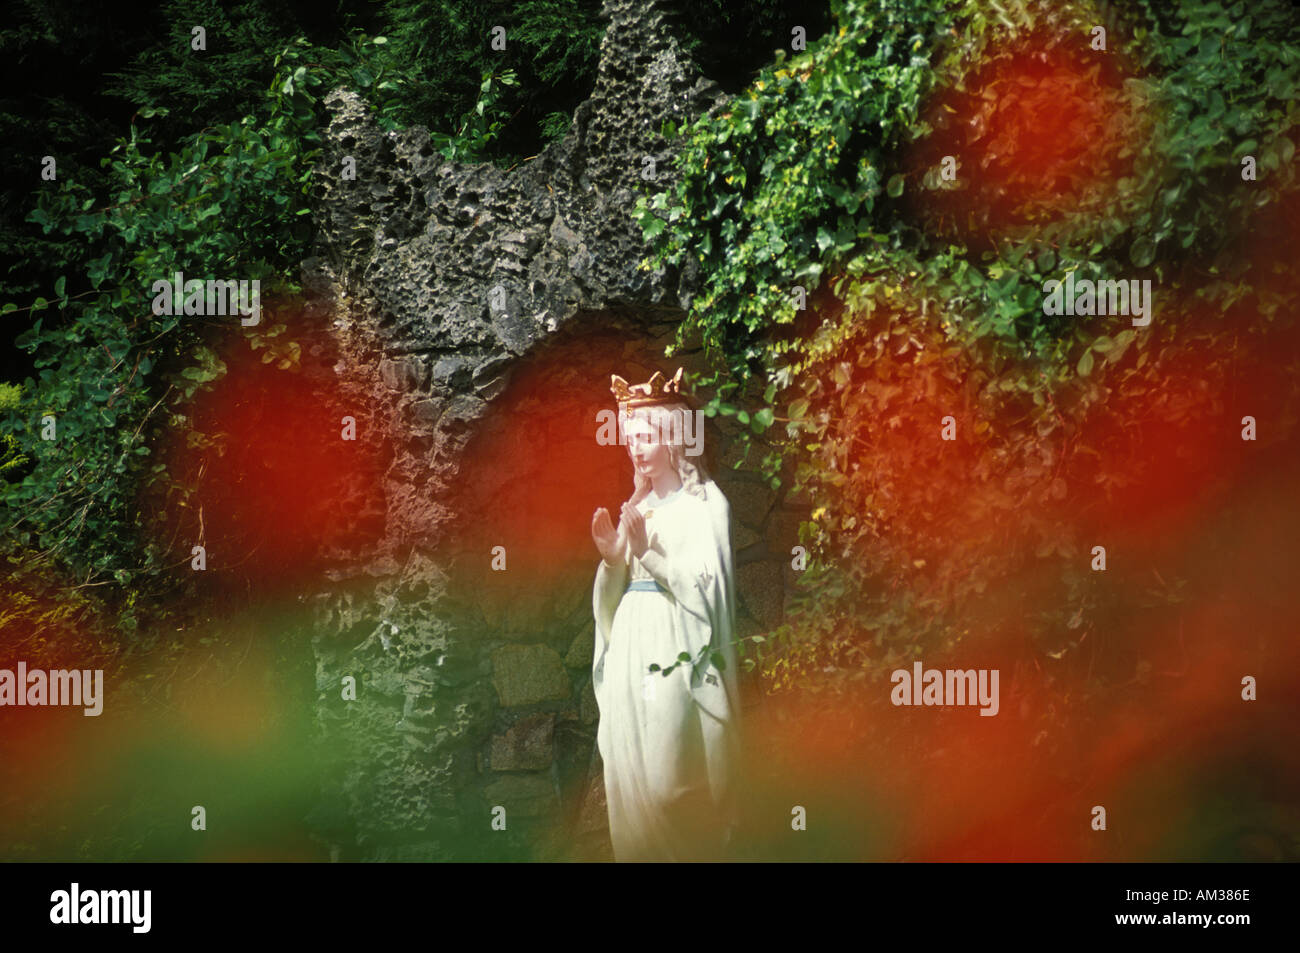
924 294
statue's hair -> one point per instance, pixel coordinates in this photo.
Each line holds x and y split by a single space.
690 469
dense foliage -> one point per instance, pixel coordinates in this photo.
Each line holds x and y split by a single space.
925 298
115 381
212 178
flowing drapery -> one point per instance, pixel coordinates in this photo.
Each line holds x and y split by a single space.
669 744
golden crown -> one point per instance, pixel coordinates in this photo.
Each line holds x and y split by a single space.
657 390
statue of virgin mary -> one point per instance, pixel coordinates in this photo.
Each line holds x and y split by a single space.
665 586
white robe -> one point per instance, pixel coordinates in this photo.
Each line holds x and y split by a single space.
670 744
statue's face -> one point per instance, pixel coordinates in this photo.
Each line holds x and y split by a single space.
649 456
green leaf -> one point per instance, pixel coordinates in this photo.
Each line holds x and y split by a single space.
1084 367
1142 252
894 188
97 269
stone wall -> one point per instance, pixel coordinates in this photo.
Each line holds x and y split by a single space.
474 682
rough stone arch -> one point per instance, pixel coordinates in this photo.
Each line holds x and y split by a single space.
470 695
